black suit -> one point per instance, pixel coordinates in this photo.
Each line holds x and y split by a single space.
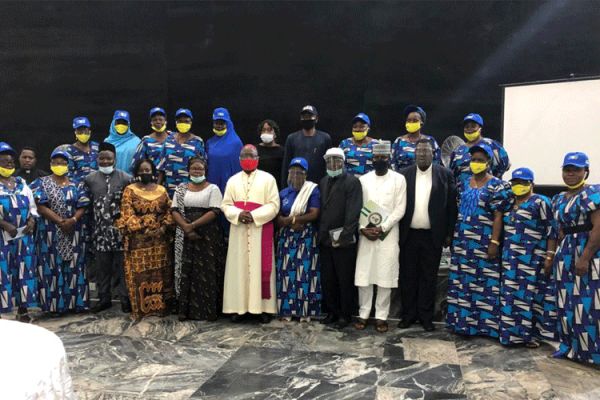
31 175
341 202
421 249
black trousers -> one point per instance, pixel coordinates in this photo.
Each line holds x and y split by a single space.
419 265
110 275
337 280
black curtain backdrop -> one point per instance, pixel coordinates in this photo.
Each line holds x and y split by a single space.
268 59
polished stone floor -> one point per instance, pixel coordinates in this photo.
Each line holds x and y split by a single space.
113 357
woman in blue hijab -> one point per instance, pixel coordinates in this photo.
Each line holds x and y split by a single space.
223 150
124 140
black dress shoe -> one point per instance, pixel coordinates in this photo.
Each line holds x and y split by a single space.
342 323
126 307
428 326
405 324
265 318
235 318
329 319
100 307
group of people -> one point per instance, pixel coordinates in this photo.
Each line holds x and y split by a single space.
171 223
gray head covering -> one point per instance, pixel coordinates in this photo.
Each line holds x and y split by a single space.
383 147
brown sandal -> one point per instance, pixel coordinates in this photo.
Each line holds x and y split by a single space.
360 324
381 326
534 344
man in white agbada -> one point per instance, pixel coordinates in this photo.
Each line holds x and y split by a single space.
377 262
250 203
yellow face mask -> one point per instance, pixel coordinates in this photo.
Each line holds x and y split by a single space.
159 130
477 167
83 137
412 127
577 186
521 190
121 128
59 170
473 136
6 172
360 135
183 127
220 132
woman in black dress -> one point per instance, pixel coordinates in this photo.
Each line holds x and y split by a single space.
201 270
269 151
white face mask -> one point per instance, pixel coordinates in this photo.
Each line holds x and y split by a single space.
107 170
267 137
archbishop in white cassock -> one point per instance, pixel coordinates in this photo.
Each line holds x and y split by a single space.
250 267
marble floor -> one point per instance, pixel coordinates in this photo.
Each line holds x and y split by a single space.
113 357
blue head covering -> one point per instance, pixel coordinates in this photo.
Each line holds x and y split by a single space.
223 152
125 144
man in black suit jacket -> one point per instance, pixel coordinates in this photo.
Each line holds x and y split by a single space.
341 202
426 228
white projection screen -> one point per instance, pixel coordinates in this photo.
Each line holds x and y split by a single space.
545 120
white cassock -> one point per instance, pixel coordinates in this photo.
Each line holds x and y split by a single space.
242 292
377 261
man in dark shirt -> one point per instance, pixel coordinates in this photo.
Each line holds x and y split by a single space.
105 189
341 202
27 164
308 143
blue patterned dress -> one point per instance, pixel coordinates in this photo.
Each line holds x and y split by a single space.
150 149
473 280
403 152
578 297
61 257
18 265
174 160
81 163
461 158
359 158
298 273
527 296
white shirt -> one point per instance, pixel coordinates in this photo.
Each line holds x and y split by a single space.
420 219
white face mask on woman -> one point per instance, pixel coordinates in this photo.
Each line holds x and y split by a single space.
267 137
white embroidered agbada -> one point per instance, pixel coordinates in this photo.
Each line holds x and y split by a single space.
377 261
242 291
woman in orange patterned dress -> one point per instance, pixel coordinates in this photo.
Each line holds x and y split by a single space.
145 223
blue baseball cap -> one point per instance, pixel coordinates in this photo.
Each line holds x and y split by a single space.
220 114
478 119
412 108
482 146
299 161
5 148
157 110
362 117
522 173
120 114
576 159
184 111
78 122
60 152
